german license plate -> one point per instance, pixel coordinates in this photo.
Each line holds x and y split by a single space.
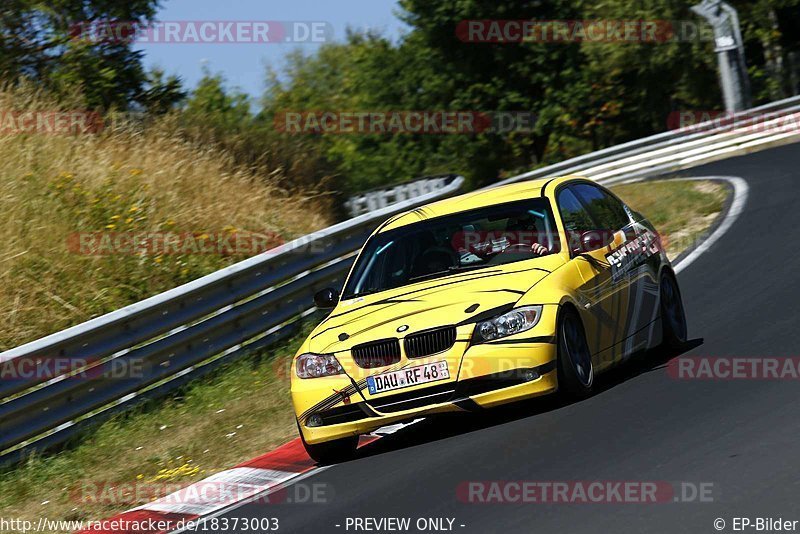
410 376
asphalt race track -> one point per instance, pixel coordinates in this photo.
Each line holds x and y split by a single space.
742 298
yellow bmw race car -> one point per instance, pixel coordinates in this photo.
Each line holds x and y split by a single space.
479 300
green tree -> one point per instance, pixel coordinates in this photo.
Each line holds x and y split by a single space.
634 86
366 73
771 31
501 76
161 93
215 115
45 42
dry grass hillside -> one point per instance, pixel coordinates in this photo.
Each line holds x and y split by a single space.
125 181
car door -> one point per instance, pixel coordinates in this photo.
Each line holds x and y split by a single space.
631 311
587 210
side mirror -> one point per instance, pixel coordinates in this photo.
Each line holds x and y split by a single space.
596 239
326 299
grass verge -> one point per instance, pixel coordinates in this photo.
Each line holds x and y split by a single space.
681 210
244 409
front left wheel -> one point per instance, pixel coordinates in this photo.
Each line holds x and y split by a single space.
575 369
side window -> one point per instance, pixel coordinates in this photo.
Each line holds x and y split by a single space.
575 217
607 211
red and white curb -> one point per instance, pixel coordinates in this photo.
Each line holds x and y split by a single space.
255 479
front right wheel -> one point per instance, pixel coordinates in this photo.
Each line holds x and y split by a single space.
575 370
673 318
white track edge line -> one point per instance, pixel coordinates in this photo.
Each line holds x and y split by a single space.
740 193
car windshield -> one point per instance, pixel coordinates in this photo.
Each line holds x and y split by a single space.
442 246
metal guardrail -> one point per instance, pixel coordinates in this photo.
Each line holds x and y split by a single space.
181 334
385 196
673 142
110 362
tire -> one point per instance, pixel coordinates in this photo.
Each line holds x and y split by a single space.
331 452
673 317
575 369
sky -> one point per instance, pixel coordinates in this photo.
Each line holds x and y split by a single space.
243 63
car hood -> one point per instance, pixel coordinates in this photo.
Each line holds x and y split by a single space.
454 299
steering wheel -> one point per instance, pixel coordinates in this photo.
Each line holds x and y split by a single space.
452 254
432 254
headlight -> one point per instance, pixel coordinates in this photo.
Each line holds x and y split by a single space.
510 323
310 365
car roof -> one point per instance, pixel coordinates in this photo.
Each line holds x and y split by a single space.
477 199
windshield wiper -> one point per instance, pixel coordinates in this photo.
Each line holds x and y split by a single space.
460 268
428 275
449 270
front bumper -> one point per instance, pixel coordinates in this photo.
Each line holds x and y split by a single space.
490 374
